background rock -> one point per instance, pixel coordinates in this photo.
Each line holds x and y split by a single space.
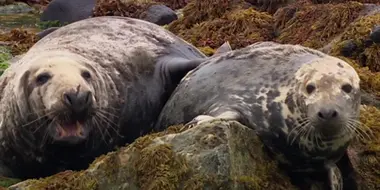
159 14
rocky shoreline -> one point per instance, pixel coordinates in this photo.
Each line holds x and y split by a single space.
219 157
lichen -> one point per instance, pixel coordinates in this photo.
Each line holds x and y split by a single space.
239 27
358 33
314 25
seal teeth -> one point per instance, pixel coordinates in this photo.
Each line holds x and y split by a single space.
79 129
61 131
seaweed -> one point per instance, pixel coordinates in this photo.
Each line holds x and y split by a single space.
19 40
314 25
126 8
239 27
197 11
365 152
366 54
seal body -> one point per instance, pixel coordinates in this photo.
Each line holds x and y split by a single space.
303 104
83 89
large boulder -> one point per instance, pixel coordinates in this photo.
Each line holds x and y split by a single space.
213 155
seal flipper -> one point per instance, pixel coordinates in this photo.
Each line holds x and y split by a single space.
176 67
225 47
348 173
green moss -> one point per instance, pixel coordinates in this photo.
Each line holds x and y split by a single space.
239 27
6 182
358 32
48 24
315 25
207 50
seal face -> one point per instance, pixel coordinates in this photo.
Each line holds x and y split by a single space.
85 88
303 104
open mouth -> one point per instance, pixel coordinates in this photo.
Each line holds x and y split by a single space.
72 129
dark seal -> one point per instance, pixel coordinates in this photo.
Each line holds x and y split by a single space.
303 104
85 88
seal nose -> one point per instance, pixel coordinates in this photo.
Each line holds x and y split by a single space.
78 101
326 113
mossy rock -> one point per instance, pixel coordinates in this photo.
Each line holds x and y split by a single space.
239 27
314 25
358 33
365 153
213 155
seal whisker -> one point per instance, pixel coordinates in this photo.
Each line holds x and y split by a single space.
98 127
359 131
295 130
108 121
38 118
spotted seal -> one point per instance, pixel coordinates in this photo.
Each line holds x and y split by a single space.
304 104
85 88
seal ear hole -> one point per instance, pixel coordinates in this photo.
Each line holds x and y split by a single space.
43 78
347 88
86 75
310 88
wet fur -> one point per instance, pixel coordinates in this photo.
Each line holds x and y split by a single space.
127 58
262 86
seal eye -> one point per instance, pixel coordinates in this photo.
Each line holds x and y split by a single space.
86 75
310 88
347 88
42 78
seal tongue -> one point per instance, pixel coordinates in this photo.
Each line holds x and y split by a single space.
70 130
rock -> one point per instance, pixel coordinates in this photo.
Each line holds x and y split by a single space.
15 8
348 48
68 11
213 155
375 34
160 14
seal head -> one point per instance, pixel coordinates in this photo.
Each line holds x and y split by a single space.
61 91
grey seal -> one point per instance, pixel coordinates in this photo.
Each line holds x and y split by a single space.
70 98
302 103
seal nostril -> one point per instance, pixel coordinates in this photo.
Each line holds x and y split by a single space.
334 114
320 115
67 99
88 99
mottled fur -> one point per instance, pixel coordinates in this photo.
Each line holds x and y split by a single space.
130 61
264 86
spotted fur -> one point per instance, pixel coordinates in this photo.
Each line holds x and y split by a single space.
264 86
